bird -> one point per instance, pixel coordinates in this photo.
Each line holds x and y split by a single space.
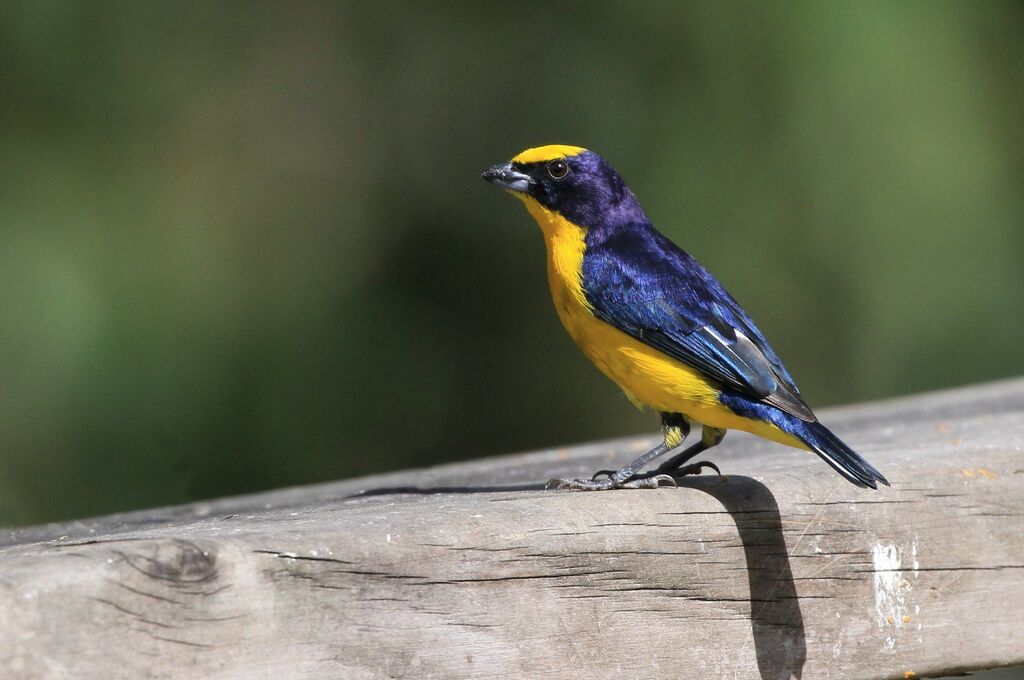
656 322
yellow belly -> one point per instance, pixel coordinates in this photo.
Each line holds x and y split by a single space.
649 377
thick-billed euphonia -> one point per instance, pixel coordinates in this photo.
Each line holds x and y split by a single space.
657 323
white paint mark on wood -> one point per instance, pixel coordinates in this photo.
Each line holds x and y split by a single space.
888 601
892 589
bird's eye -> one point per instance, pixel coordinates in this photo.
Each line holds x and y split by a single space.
558 169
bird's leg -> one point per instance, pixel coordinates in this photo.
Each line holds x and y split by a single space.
674 466
674 427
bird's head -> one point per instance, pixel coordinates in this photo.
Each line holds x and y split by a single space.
575 182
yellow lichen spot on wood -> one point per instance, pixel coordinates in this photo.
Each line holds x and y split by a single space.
563 454
909 674
906 618
956 441
980 472
943 427
890 620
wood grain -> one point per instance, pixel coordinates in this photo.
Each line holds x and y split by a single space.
779 569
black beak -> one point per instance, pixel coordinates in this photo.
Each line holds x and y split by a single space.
504 176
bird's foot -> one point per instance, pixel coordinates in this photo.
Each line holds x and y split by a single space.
637 482
674 473
691 469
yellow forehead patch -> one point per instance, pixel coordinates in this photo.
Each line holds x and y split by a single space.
539 154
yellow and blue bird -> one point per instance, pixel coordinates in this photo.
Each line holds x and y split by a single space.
656 322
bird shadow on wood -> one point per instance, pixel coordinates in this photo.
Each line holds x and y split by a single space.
777 624
430 490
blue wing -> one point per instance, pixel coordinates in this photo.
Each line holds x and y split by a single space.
646 286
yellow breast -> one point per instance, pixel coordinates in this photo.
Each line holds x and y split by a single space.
649 377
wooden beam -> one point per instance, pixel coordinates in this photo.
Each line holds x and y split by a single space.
778 569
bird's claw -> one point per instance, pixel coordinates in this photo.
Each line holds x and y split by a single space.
653 482
692 469
579 484
649 482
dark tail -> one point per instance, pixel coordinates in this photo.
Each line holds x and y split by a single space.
841 457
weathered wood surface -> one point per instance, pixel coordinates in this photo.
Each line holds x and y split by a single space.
779 569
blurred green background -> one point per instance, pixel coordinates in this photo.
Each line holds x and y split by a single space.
245 245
